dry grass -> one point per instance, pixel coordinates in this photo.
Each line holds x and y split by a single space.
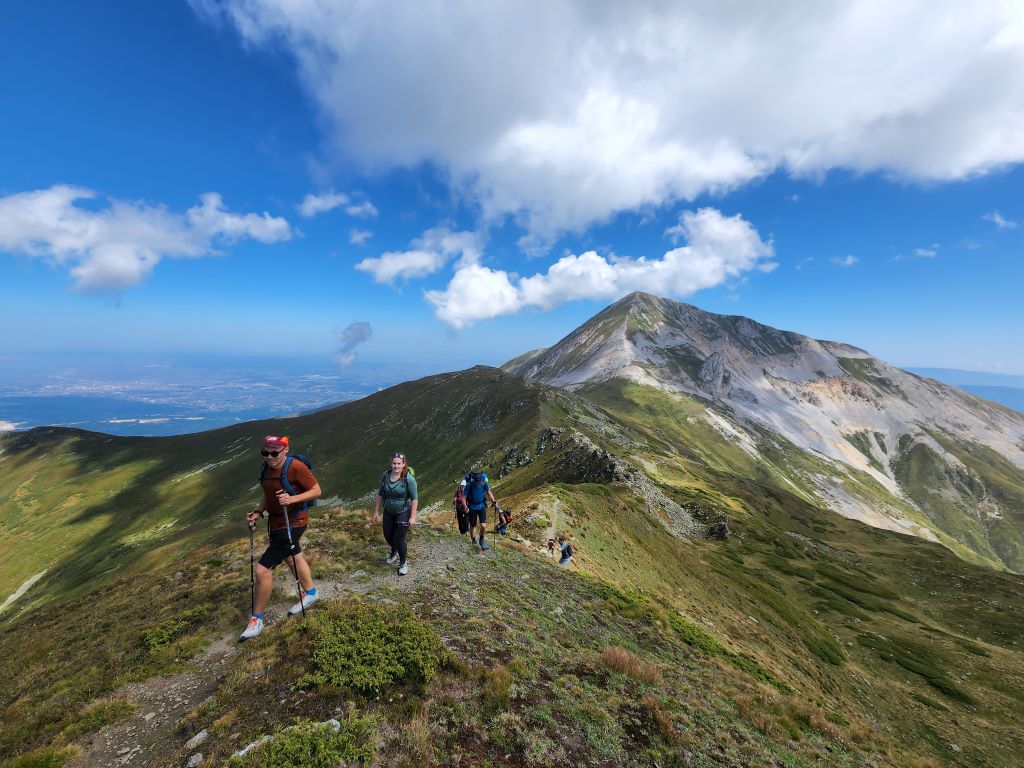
620 660
925 762
417 741
662 719
494 691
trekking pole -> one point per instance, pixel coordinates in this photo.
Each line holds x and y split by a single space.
252 573
295 565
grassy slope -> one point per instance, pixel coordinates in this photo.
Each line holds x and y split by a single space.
86 505
805 638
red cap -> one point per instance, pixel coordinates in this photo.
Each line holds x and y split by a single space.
273 441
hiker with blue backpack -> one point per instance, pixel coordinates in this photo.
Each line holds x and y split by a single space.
398 496
289 490
478 491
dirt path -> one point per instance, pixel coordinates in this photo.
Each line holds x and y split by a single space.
162 702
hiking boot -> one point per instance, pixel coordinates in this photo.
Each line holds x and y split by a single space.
254 628
474 540
403 568
307 600
483 545
391 558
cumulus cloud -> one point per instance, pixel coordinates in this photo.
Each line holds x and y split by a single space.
926 253
359 236
997 218
312 205
429 252
846 261
363 210
652 102
350 338
114 247
718 248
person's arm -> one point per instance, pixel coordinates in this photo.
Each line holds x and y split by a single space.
410 484
286 500
304 479
376 505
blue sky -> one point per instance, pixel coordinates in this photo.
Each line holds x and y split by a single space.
862 191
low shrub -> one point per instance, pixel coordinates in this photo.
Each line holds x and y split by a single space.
314 745
368 647
41 758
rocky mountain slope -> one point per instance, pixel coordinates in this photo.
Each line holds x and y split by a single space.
887 447
792 637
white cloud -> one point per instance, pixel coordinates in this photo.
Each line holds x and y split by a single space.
311 205
113 248
429 252
997 218
363 210
652 102
9 426
359 236
926 253
847 261
718 248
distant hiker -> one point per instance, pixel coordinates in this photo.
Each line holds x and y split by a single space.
551 547
461 509
478 491
566 548
397 494
504 519
289 489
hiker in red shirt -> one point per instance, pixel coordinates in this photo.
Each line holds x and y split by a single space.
299 488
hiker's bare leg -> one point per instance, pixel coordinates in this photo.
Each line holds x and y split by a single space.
264 585
305 577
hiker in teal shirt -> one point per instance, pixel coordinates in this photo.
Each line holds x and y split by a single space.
397 494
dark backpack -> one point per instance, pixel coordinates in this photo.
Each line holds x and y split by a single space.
476 489
460 503
285 485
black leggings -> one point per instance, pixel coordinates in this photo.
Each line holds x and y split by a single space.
396 533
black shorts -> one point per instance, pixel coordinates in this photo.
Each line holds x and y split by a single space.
279 549
477 514
463 520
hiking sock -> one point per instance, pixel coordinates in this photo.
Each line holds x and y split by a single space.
310 592
256 616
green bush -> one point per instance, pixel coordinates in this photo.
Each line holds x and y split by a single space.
368 647
40 758
98 715
169 631
314 745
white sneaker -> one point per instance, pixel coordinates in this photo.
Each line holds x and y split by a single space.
403 568
254 628
391 558
307 600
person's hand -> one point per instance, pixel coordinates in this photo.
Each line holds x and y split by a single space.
376 516
252 516
284 499
412 519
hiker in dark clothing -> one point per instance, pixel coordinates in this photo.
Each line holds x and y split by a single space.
278 501
461 509
397 494
478 491
566 548
504 519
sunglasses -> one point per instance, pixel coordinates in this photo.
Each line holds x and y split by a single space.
398 456
271 454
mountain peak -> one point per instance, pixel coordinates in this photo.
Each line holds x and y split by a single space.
832 400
